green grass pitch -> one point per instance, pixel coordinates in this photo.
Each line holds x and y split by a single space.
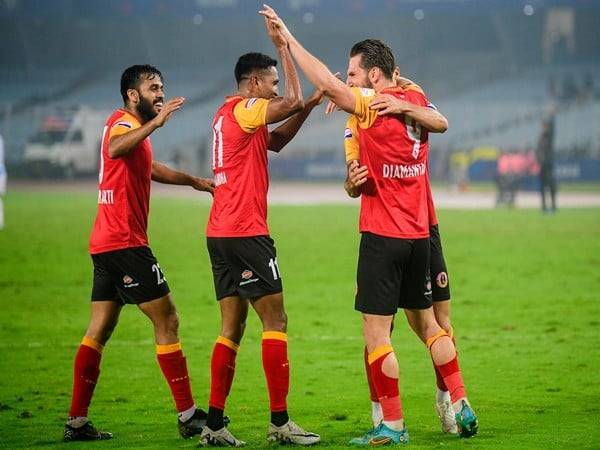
526 311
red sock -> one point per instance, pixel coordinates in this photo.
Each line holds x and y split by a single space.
439 379
372 390
387 387
86 373
453 379
174 368
277 368
222 370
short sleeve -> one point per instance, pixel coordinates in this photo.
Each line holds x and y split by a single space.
351 144
251 113
365 116
124 125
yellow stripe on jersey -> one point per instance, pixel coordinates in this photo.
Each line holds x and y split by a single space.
364 115
351 145
251 113
125 124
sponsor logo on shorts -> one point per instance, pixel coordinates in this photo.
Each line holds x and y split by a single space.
442 280
253 280
128 282
247 274
247 277
428 287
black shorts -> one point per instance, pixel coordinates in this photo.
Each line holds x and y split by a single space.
440 282
131 275
245 266
392 273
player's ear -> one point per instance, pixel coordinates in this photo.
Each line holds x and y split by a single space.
373 74
133 95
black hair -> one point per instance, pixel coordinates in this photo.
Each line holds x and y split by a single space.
375 53
132 77
250 62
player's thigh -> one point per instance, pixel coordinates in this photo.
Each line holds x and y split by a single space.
160 311
138 275
221 269
377 330
253 267
441 310
378 275
423 322
234 312
105 302
271 310
104 319
415 291
440 284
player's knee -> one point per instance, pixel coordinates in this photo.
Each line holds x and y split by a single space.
172 323
167 325
276 321
445 324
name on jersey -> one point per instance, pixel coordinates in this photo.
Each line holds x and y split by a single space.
403 171
220 178
105 197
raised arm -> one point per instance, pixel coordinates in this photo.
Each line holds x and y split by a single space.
316 72
280 136
163 174
123 144
281 108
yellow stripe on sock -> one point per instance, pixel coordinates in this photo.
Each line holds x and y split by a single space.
277 335
169 348
228 343
435 337
92 343
379 352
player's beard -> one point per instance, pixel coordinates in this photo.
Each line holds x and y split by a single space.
145 109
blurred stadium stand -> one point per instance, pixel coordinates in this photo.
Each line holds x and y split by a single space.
495 68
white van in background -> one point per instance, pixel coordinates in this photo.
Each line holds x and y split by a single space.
67 144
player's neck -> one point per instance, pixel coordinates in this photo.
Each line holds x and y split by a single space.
244 93
135 114
383 84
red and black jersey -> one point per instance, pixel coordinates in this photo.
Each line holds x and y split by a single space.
240 168
395 198
123 191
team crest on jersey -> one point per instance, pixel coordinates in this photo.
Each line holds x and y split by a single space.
442 280
347 133
366 92
250 103
247 274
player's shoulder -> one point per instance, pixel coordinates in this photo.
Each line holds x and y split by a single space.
123 118
251 103
363 92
